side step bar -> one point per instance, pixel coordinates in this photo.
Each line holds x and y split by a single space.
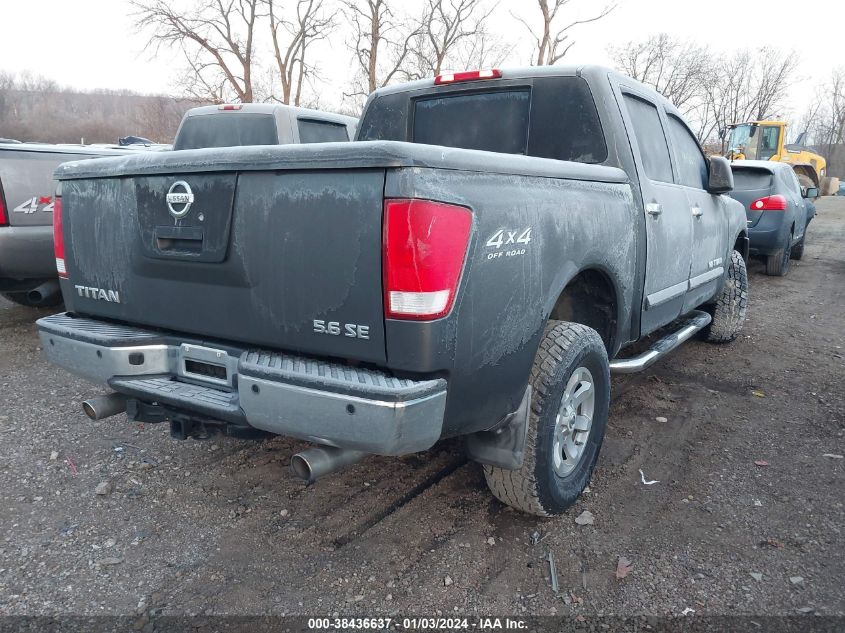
695 321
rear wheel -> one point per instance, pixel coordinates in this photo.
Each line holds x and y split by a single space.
777 264
729 310
570 382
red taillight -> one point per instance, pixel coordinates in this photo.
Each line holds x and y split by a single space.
769 203
424 247
59 238
469 75
230 106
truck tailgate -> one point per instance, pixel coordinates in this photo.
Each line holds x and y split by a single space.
257 258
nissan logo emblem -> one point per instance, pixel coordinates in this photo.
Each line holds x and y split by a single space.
179 194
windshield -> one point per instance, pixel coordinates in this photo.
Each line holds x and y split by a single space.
743 140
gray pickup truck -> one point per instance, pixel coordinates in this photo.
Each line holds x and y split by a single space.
467 267
27 266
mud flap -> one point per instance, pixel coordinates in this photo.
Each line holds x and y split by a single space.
504 446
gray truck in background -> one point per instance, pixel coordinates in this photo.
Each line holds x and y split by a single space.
475 264
27 264
229 125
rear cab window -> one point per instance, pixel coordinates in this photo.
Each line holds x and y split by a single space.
227 129
495 121
545 117
317 131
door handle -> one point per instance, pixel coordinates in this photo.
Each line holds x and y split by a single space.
653 208
697 212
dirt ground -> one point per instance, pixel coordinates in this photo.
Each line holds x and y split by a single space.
221 526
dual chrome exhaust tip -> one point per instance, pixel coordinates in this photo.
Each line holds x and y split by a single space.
315 462
104 406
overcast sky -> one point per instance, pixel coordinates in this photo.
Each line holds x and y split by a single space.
94 44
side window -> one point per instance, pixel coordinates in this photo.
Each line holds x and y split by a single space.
314 131
796 184
692 166
769 142
790 180
651 139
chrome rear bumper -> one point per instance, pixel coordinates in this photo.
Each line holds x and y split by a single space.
326 402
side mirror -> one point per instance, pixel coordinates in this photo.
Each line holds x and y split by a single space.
722 133
811 192
721 176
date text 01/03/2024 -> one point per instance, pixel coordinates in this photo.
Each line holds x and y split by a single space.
481 624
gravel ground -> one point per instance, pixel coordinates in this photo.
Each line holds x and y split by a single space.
746 517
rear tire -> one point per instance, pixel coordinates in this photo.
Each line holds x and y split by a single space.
22 298
570 382
729 310
777 264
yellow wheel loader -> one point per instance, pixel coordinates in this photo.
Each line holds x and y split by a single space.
766 140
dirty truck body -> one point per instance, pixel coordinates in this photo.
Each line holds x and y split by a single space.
376 296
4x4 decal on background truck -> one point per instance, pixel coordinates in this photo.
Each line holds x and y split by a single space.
36 203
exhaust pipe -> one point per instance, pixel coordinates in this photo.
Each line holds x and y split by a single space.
104 406
44 293
313 463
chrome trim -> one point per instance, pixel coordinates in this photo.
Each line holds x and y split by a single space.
698 320
374 426
211 356
99 364
667 294
703 278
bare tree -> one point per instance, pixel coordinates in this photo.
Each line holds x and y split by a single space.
678 70
554 38
827 124
309 25
483 51
446 26
749 86
217 37
381 41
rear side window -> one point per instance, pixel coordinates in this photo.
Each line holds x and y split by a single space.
692 166
226 129
650 137
792 181
492 121
752 179
314 131
564 121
